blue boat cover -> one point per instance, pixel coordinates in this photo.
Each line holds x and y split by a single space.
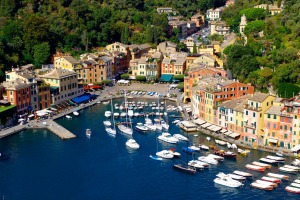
166 77
188 150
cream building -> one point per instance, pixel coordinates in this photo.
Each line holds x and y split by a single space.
63 84
66 62
117 46
206 59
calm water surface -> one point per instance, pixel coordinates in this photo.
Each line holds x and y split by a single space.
42 166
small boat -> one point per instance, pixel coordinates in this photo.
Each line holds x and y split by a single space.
176 121
271 179
297 181
220 142
287 170
204 164
261 186
226 154
278 159
279 154
180 137
243 152
297 185
197 164
156 158
98 102
208 160
194 148
216 157
140 127
266 183
262 164
296 162
281 176
123 114
292 167
208 138
237 177
75 113
255 168
167 137
111 131
131 143
107 123
245 174
185 168
293 189
204 147
229 146
212 146
107 114
105 102
266 160
68 117
188 150
165 154
116 115
175 154
234 146
225 180
88 132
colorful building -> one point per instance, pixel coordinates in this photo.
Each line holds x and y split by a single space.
175 64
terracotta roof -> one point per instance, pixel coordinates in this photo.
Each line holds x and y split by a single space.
71 60
259 97
58 73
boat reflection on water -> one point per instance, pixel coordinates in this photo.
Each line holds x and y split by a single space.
231 191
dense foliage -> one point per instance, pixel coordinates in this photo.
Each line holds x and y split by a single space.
271 56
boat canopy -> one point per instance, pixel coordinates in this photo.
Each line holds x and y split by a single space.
206 125
188 124
81 98
234 135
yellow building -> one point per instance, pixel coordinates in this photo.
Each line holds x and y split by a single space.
117 46
63 84
66 62
296 127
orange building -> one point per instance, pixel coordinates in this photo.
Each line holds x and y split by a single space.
175 64
195 73
44 99
18 93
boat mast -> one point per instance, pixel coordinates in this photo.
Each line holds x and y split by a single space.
112 112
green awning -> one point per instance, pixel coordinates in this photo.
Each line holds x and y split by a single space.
166 77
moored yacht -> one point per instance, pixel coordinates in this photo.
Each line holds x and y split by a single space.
131 143
180 137
208 160
165 154
140 127
167 137
107 123
225 180
107 114
197 164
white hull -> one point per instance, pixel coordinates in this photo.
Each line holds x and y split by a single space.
111 131
131 143
125 129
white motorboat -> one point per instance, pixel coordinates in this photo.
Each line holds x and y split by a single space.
196 163
130 113
165 154
107 123
175 154
237 177
111 131
208 160
136 114
157 124
229 145
271 179
292 167
225 180
176 121
268 160
203 163
180 137
262 164
123 114
107 114
151 126
68 117
208 138
167 137
88 132
278 159
287 170
245 174
203 147
295 185
164 125
131 143
234 146
121 107
116 115
105 102
293 189
125 129
280 176
296 162
140 127
220 142
297 181
75 113
194 148
216 157
266 183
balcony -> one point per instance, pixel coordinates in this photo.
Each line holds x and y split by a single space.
249 107
250 125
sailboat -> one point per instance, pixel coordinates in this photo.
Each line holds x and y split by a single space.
126 128
184 167
111 131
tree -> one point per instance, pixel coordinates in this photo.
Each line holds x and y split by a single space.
140 78
195 48
106 82
180 86
125 76
41 53
179 77
182 47
254 27
149 34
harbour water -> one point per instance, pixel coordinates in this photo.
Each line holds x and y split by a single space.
42 166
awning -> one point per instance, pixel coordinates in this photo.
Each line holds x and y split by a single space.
223 131
199 121
188 124
206 125
272 140
234 135
166 77
81 99
296 148
227 133
216 128
41 114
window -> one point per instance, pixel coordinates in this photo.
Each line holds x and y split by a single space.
269 116
253 114
274 125
274 117
246 112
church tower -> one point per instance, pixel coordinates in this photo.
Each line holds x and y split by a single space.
243 23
